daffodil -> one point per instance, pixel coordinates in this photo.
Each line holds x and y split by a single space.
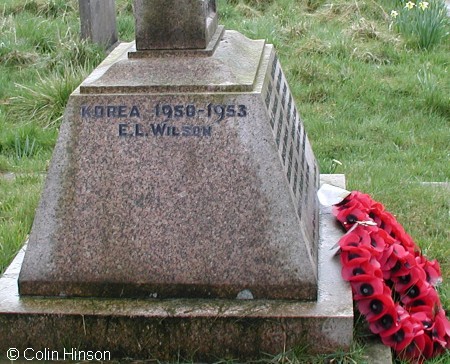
409 5
394 14
423 5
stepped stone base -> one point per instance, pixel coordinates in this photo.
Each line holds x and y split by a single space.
179 177
195 329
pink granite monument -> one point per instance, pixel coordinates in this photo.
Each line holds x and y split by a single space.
181 205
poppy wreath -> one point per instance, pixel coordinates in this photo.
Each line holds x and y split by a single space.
393 284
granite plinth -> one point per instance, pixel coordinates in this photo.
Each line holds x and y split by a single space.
174 24
179 194
199 330
232 68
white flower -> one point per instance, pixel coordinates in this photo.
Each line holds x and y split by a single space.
423 5
394 13
409 5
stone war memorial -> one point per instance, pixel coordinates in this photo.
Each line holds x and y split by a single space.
179 218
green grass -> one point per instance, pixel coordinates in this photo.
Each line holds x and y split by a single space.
18 199
370 99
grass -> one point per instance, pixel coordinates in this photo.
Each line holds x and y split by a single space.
18 199
376 106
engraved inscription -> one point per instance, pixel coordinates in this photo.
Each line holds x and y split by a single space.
274 66
291 139
283 98
285 141
219 112
109 111
132 121
274 113
269 94
164 129
279 80
290 105
295 178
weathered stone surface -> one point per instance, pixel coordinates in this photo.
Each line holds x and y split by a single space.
179 194
195 52
232 68
174 24
98 21
200 330
376 352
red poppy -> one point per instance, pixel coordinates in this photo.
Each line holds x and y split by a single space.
377 306
405 240
431 268
369 237
407 328
361 266
365 286
425 318
419 349
407 276
418 291
376 211
347 203
392 260
407 264
350 216
386 324
377 241
349 253
387 221
350 239
440 331
429 299
362 198
429 311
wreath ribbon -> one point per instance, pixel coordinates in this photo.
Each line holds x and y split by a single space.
393 284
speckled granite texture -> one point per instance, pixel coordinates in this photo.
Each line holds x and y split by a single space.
232 68
199 330
179 195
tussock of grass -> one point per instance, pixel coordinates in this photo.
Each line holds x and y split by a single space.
47 8
44 102
14 57
247 11
364 29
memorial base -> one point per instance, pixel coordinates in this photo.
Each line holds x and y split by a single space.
191 329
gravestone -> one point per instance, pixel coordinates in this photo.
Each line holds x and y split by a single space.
98 21
180 207
175 179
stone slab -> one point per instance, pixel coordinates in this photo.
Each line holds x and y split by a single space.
174 24
98 21
198 330
444 185
376 352
232 207
232 68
